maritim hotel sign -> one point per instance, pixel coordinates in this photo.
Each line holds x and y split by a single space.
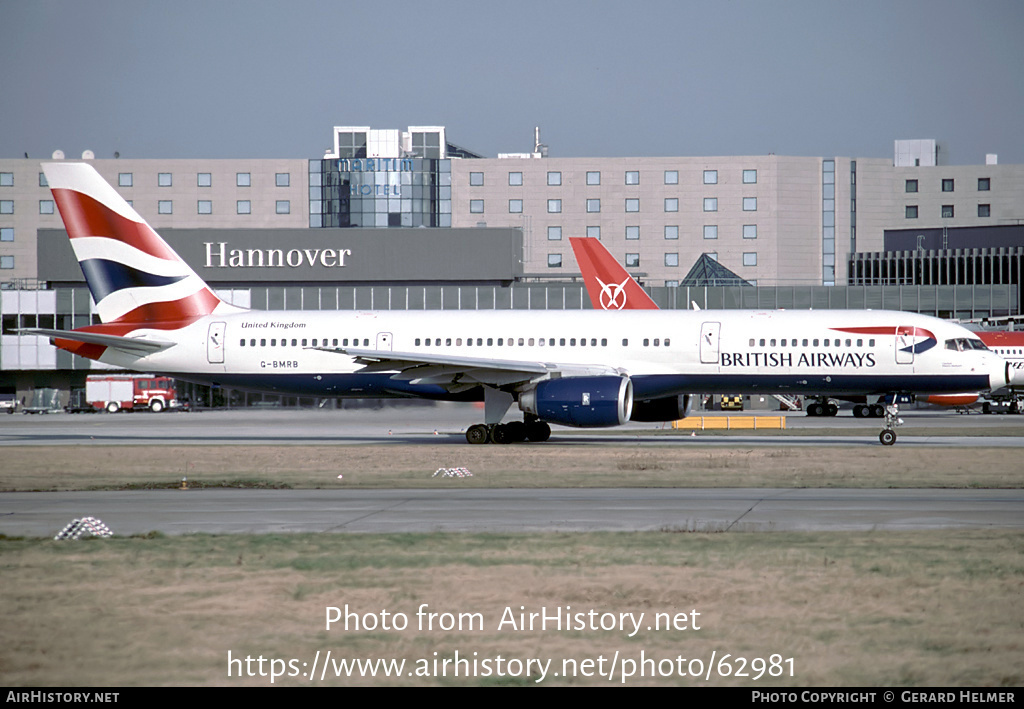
353 255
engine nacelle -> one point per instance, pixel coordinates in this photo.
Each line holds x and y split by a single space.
584 402
669 408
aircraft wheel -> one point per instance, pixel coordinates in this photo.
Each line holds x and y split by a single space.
500 434
814 410
112 407
538 431
859 411
515 431
477 434
831 409
887 437
986 408
156 406
877 411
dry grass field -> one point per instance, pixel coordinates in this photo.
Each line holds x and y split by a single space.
551 465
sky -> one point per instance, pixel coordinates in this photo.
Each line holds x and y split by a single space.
261 79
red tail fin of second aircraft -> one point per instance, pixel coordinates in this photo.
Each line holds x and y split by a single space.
609 285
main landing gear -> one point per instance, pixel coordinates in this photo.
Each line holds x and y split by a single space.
892 420
496 405
511 432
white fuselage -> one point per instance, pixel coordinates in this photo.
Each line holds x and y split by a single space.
664 352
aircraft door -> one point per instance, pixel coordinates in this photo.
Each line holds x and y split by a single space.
709 333
215 343
904 345
384 341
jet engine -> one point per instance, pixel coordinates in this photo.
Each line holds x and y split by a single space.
669 408
584 402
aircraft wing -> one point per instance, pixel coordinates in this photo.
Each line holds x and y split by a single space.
134 346
456 372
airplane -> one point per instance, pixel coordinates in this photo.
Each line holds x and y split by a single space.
1009 344
611 287
584 369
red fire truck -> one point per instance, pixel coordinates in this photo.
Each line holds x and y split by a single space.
116 392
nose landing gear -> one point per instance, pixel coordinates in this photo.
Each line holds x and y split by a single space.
892 420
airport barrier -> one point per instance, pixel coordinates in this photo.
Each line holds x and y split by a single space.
730 423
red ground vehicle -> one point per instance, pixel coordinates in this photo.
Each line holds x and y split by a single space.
114 392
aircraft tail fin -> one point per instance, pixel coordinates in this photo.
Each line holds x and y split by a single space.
134 276
608 284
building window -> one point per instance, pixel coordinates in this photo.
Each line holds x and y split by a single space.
554 179
243 206
593 205
6 262
593 178
711 177
947 185
632 177
671 177
7 234
6 179
163 179
554 206
165 206
125 179
632 205
750 231
476 206
671 284
515 206
984 210
672 232
204 179
204 206
750 258
515 179
476 179
6 206
947 211
554 260
710 204
594 232
46 206
749 177
710 231
283 179
554 233
632 260
672 260
984 184
283 206
243 179
911 211
750 204
911 186
671 204
632 233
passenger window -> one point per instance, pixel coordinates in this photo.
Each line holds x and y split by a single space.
657 342
263 343
241 343
531 342
252 343
625 342
773 342
647 342
604 342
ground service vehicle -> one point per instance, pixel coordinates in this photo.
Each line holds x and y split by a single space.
127 392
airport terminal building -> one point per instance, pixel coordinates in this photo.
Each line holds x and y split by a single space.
405 219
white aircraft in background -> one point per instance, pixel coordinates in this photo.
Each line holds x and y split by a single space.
612 288
573 368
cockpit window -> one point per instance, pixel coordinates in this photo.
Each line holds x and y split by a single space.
963 344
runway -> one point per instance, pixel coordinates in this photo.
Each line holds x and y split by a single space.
402 511
447 423
224 511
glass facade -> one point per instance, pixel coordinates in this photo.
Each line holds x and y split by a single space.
357 191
